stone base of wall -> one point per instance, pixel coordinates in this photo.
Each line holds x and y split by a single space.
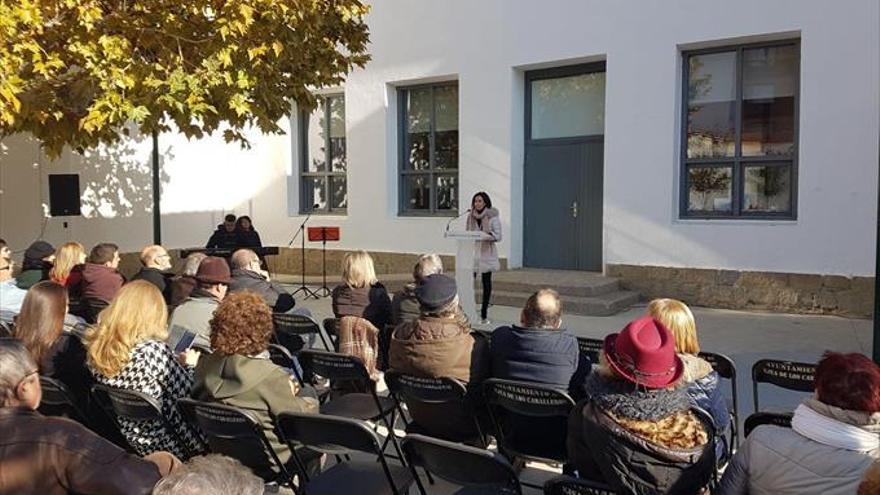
783 292
289 262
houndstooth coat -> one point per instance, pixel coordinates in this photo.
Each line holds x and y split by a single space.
153 370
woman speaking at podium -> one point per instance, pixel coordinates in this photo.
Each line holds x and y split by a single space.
485 218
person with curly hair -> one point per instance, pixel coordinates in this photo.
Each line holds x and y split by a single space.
239 373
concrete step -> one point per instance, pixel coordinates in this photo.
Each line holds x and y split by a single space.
572 283
601 305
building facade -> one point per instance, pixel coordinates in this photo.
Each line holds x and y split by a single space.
722 152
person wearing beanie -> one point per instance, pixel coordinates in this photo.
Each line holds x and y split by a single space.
36 265
438 344
636 431
213 278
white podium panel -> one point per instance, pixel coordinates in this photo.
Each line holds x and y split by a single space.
467 242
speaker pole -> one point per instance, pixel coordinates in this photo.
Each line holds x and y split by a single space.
157 214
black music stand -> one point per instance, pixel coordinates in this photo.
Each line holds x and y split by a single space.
323 234
301 232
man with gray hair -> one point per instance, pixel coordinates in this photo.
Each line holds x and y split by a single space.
211 475
247 275
539 350
405 304
55 456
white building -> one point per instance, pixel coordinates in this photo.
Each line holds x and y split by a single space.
736 136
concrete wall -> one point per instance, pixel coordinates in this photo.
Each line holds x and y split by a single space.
487 46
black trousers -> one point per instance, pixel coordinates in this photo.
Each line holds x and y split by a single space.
487 294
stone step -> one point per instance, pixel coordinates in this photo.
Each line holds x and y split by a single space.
601 305
580 284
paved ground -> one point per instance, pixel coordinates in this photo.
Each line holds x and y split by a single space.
743 336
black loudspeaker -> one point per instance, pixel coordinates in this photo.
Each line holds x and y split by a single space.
64 195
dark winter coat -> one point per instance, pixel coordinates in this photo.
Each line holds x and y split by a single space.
405 305
181 288
273 293
371 303
223 239
30 277
65 361
247 239
602 449
156 277
544 356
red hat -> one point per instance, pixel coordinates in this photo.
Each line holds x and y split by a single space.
213 270
644 354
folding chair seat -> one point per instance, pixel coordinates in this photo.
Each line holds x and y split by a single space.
766 418
518 408
365 406
238 433
726 369
444 397
290 329
341 436
133 406
477 471
789 375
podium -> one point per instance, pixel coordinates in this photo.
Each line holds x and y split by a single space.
467 242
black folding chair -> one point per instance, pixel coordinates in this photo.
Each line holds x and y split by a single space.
290 329
591 348
567 485
58 401
341 436
237 433
5 329
366 406
446 396
132 406
282 357
530 420
766 418
478 470
789 375
726 368
331 327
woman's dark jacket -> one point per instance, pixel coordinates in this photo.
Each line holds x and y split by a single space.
371 303
545 356
247 238
65 361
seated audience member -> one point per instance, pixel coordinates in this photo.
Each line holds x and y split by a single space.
436 345
239 372
702 381
361 294
100 279
67 267
637 432
405 304
225 237
195 313
183 285
157 262
245 235
59 354
833 440
11 297
247 275
56 456
539 350
127 350
37 262
211 475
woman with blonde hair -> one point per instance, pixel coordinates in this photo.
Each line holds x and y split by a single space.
127 350
702 381
67 258
364 309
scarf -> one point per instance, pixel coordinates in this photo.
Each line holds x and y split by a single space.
359 338
624 399
832 432
480 220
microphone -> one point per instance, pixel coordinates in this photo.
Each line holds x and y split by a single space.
456 218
